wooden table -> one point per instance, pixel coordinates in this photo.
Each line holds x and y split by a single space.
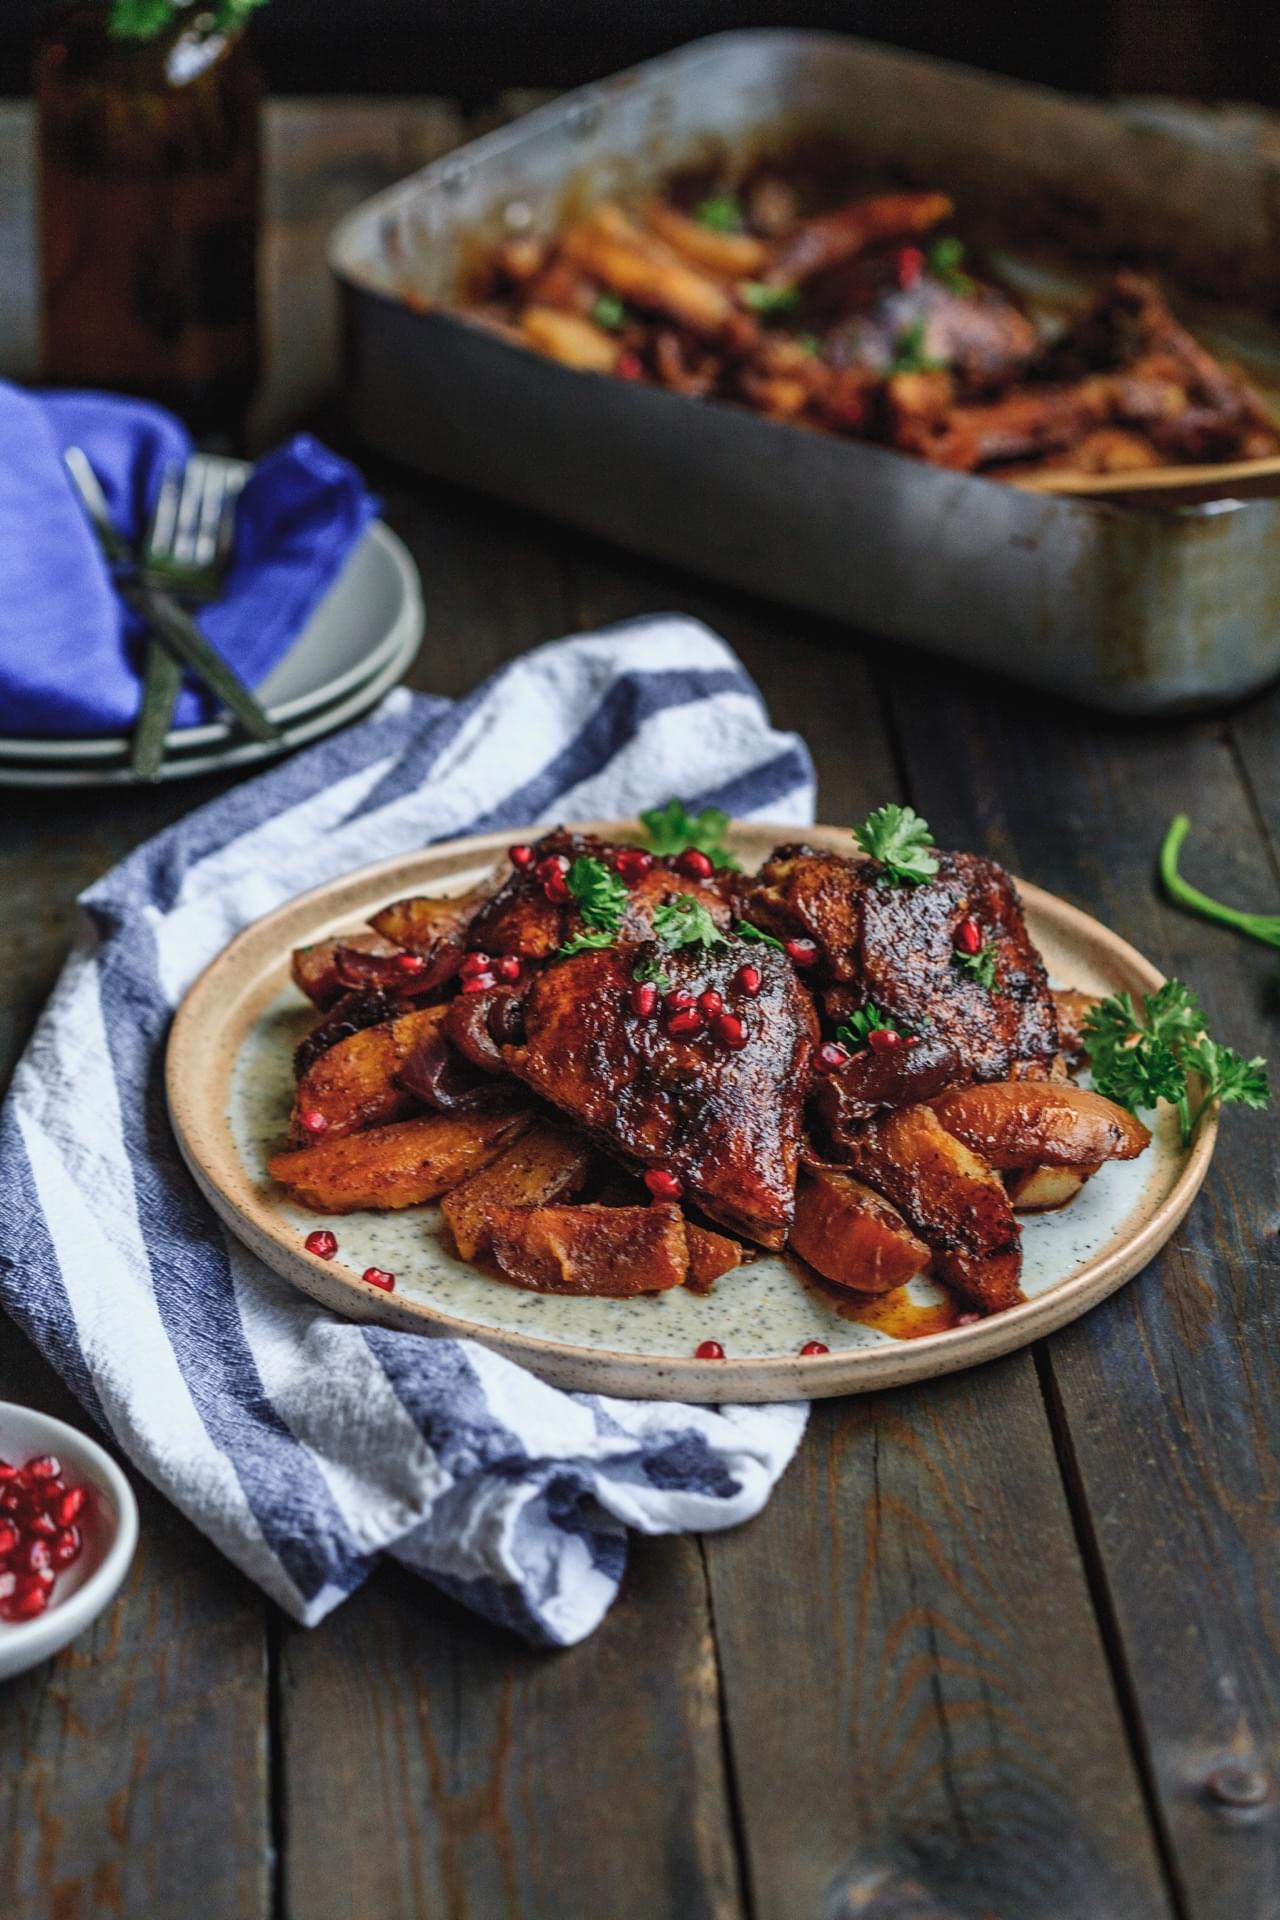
1002 1646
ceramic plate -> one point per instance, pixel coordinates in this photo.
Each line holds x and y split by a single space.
230 1082
368 618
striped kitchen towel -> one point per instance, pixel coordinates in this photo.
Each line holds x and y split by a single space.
303 1445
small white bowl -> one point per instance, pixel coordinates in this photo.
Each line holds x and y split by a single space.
110 1531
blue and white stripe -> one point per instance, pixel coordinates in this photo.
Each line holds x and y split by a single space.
305 1446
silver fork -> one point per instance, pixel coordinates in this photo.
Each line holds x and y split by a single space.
186 549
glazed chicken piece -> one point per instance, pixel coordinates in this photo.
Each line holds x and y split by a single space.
895 947
875 1082
832 238
725 1120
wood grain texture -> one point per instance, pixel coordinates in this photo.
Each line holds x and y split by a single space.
1166 1398
917 1695
435 1766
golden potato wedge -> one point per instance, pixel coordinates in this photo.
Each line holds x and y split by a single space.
711 1256
545 1164
352 1085
738 256
610 1251
423 923
315 972
570 339
851 1235
1043 1189
611 248
1040 1123
953 1200
403 1165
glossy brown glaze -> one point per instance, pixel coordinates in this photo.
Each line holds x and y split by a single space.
546 1163
353 1085
422 925
403 1165
613 1252
727 1123
851 1235
875 1082
1028 1123
314 968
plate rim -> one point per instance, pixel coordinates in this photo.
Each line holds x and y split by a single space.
50 752
199 1029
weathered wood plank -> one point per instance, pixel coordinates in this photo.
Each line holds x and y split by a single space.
135 1763
435 1766
1167 1395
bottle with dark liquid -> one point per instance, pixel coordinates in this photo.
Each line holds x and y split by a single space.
148 181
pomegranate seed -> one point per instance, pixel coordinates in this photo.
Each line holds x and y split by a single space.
322 1243
66 1548
478 983
628 367
910 265
47 1467
474 963
694 865
632 863
663 1185
7 1471
507 966
747 980
410 962
677 1000
313 1121
379 1277
24 1605
42 1525
520 857
710 1002
831 1056
884 1040
69 1506
729 1031
687 1021
708 1350
12 1499
803 952
644 999
968 1319
8 1538
556 888
32 1556
813 1346
911 1039
969 935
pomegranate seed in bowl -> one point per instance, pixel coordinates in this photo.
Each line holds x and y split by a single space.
41 1538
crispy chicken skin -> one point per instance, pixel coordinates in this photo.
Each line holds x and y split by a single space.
895 947
727 1123
875 1083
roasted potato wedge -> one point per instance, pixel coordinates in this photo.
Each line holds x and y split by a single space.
611 1251
398 1166
611 248
853 1236
547 1163
352 1085
953 1200
711 1256
421 924
570 339
1042 1189
738 256
1040 1123
314 970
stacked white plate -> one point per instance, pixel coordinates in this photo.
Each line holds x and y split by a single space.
359 642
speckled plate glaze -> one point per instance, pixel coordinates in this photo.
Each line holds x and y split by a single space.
229 1084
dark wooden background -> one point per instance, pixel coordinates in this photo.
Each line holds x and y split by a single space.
1004 1647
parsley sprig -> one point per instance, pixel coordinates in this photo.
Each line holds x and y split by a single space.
647 969
980 966
854 1032
1259 926
609 312
722 213
673 829
901 841
148 19
685 923
760 297
946 261
1139 1058
908 354
745 931
601 897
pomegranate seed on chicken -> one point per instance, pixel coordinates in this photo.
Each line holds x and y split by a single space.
969 935
884 1040
694 865
686 1022
632 864
474 963
729 1031
747 980
831 1056
520 857
801 952
313 1121
663 1185
644 999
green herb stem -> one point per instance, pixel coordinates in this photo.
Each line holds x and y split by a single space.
1258 926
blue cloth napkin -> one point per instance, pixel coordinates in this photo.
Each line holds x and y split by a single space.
306 1446
70 653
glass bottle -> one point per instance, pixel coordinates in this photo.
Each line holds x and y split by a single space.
148 166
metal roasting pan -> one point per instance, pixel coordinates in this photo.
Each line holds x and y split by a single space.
1136 611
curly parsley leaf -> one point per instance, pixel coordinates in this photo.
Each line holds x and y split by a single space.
946 259
745 931
762 298
1141 1057
909 355
601 898
853 1032
980 966
685 923
673 829
647 969
901 841
609 312
147 19
722 213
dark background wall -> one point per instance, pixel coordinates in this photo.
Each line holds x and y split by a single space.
472 49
